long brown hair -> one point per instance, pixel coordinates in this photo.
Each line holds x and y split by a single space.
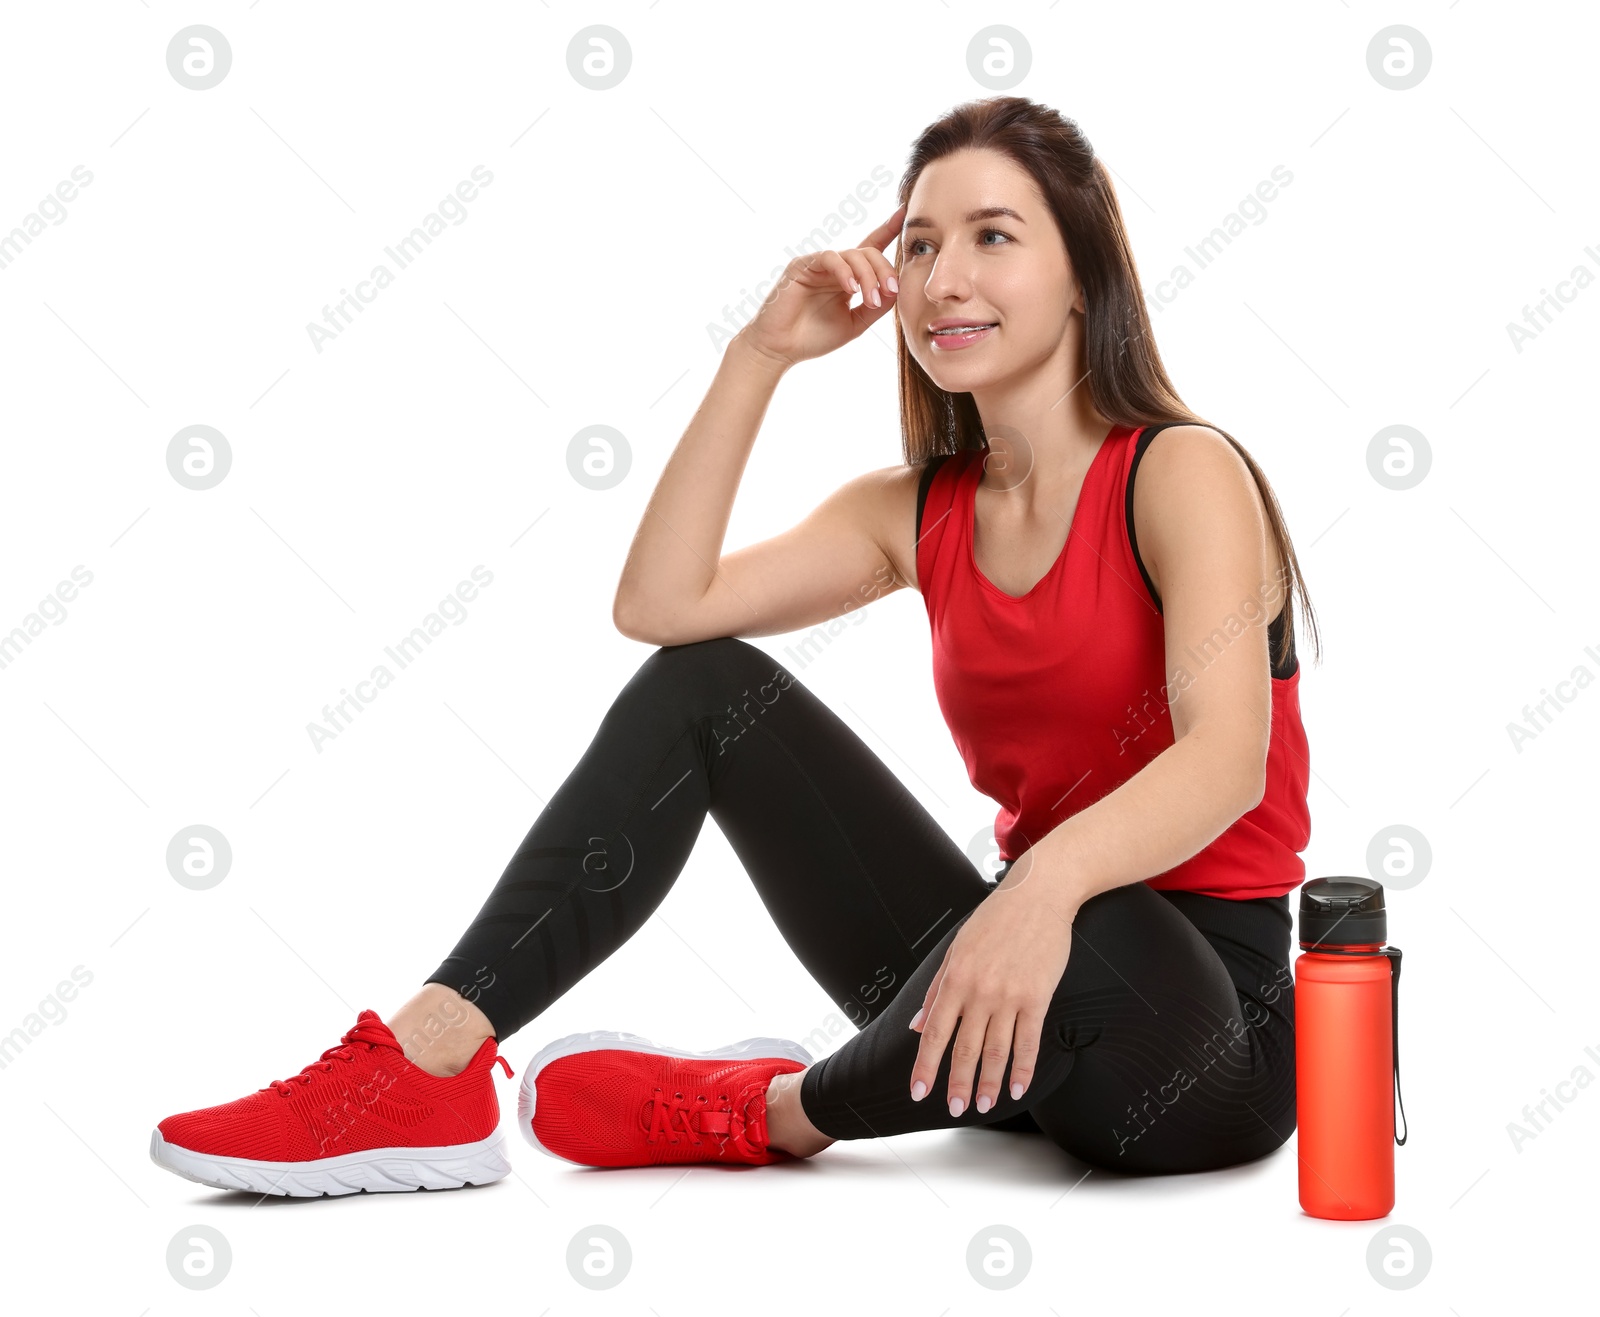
1126 379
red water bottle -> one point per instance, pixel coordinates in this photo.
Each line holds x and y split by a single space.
1347 1050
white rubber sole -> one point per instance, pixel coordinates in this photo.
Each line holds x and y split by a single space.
379 1171
527 1098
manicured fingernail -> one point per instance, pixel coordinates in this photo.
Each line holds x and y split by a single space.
1016 1090
917 1018
956 1106
919 1090
894 284
983 1103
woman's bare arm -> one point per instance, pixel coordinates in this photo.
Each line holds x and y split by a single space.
678 587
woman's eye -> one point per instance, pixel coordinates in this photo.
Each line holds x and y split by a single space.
911 247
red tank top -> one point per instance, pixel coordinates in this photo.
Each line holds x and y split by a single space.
1057 697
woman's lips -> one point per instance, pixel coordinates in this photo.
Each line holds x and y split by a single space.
955 342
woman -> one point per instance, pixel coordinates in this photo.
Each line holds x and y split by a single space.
1116 668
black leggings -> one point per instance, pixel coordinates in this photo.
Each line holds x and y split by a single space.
1168 1045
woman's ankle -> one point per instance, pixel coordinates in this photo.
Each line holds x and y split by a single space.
440 1030
788 1128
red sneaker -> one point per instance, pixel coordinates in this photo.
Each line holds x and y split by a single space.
362 1118
616 1099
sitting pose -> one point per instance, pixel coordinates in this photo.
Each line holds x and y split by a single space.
1117 670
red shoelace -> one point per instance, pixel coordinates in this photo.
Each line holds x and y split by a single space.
675 1116
363 1032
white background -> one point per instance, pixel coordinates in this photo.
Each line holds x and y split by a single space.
369 478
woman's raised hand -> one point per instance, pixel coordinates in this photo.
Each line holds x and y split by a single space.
808 313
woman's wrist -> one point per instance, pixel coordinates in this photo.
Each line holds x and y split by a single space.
756 358
1060 887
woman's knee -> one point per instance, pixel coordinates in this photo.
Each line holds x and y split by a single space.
724 682
720 667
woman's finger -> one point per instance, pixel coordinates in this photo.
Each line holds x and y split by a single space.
942 1017
836 268
932 993
1025 1049
883 271
997 1041
965 1053
874 293
886 268
888 231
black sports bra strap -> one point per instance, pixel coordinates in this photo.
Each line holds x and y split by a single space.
930 468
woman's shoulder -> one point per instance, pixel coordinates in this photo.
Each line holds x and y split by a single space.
1176 462
901 499
1181 464
1187 437
1193 486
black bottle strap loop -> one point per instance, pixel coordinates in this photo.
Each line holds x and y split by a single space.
1394 959
1393 953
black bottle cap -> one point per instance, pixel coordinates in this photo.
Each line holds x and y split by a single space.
1342 912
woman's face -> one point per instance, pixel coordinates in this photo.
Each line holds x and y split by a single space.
980 247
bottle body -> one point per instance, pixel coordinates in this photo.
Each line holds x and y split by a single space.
1344 1064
